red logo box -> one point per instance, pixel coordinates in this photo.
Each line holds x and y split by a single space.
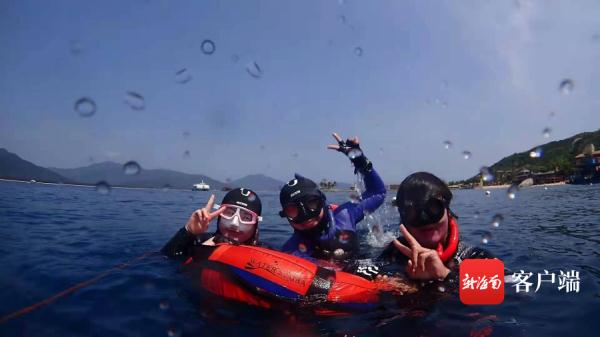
481 281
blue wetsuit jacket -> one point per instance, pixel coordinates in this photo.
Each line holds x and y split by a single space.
335 237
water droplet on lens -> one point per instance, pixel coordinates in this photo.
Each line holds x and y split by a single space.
208 47
186 154
546 132
545 187
488 193
447 144
186 135
75 47
358 51
441 289
254 70
135 101
497 220
551 114
486 238
173 331
444 104
103 187
166 188
164 304
466 154
295 155
235 58
512 191
381 151
566 86
91 159
476 215
486 174
342 19
536 153
85 107
183 76
262 147
131 168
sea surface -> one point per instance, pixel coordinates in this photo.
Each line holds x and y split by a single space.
55 236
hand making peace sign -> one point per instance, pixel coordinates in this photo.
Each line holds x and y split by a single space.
423 263
199 220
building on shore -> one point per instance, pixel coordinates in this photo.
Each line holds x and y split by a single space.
587 167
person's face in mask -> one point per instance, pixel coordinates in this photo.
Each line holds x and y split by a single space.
237 224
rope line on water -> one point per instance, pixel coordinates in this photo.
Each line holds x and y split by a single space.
72 289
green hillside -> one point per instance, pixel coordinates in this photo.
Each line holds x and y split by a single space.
556 156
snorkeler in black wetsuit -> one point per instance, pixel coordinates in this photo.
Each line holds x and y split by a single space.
431 249
237 222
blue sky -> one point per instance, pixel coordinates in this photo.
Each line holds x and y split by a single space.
482 74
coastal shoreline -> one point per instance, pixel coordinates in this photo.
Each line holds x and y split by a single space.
507 186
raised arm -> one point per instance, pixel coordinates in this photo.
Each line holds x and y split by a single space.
374 195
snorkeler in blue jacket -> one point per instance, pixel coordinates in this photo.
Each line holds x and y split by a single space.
323 231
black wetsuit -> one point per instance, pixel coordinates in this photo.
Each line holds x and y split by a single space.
185 244
394 260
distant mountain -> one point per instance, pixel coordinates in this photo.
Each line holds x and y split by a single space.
14 167
114 174
257 182
557 155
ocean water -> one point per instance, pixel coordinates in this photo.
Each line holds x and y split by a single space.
53 236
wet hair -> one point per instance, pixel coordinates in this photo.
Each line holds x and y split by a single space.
420 187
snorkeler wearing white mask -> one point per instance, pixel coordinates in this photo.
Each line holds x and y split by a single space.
237 222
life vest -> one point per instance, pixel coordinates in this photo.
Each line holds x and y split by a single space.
260 276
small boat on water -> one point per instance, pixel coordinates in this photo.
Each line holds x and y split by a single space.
201 187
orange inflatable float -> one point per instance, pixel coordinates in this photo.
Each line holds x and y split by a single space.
260 276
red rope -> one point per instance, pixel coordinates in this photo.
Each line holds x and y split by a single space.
72 289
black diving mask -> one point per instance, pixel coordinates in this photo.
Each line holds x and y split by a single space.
420 214
301 211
